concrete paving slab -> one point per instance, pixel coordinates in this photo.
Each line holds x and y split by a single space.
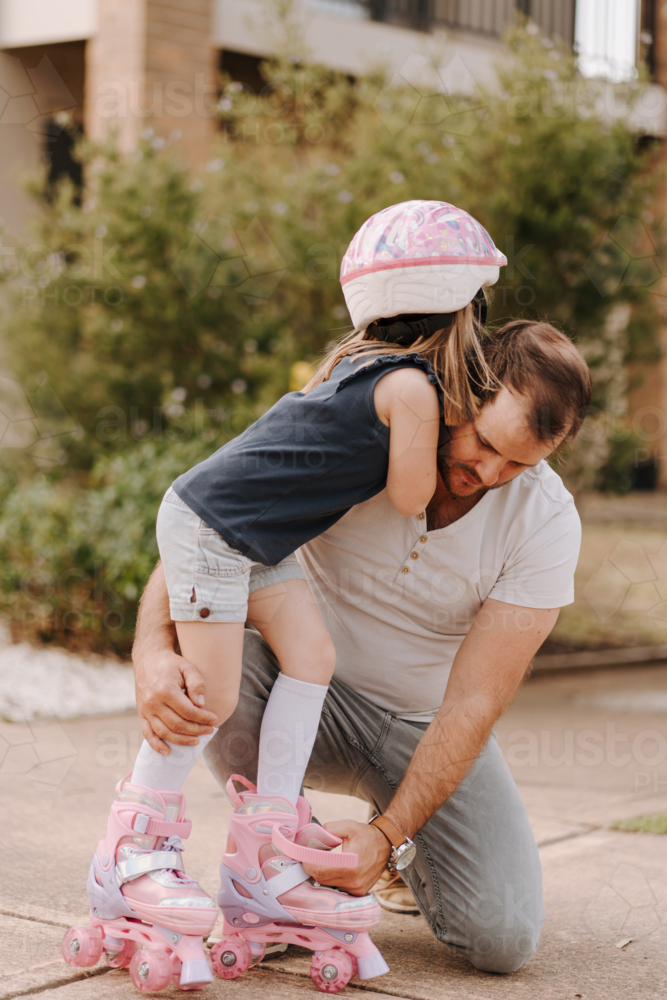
66 818
577 762
30 957
600 886
584 807
547 830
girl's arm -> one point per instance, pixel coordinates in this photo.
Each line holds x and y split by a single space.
407 403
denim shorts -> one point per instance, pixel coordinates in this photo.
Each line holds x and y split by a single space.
208 580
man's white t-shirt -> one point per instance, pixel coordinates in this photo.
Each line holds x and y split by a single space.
398 599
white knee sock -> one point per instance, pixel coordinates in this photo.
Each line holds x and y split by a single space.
166 774
288 732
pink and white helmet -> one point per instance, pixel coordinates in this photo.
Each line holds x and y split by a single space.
417 257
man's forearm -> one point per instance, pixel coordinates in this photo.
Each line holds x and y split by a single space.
486 672
443 757
155 630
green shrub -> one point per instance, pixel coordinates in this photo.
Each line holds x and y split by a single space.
74 559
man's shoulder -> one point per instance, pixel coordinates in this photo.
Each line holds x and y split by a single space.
540 494
544 480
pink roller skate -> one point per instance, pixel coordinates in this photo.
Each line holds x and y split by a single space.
145 913
267 897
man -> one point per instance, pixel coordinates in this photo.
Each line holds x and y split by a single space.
435 620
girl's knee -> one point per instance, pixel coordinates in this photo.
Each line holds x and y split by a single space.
312 662
225 705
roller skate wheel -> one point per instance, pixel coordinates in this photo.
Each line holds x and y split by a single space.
332 970
150 971
231 957
82 946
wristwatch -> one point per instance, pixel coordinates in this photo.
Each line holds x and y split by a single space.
403 849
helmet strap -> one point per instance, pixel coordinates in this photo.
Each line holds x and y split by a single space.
481 306
406 331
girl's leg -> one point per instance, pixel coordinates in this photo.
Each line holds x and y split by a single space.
216 649
287 617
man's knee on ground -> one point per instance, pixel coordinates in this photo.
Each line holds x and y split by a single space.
503 929
498 951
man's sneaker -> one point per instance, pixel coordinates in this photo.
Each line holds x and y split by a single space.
393 894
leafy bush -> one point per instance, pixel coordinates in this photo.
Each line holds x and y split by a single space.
74 559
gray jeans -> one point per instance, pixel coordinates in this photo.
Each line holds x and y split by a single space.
476 877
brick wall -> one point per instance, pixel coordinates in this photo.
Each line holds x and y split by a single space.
152 63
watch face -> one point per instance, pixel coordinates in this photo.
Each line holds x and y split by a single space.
405 855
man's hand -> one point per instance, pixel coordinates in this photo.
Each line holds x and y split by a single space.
170 691
373 849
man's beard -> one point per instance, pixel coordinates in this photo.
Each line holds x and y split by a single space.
446 468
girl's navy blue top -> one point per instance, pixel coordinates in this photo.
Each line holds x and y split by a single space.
301 466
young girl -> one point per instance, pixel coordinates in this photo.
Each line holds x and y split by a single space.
228 529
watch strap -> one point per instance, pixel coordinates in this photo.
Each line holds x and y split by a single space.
390 830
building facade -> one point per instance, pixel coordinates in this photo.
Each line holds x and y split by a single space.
120 65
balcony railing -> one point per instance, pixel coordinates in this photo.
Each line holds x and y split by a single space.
486 17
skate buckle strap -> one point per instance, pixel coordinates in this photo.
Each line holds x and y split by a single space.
231 791
286 880
145 824
152 861
310 855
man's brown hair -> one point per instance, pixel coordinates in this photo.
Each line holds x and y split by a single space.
539 362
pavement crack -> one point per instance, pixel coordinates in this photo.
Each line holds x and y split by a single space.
35 920
55 983
568 836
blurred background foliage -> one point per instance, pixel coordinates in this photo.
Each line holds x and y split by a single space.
167 309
